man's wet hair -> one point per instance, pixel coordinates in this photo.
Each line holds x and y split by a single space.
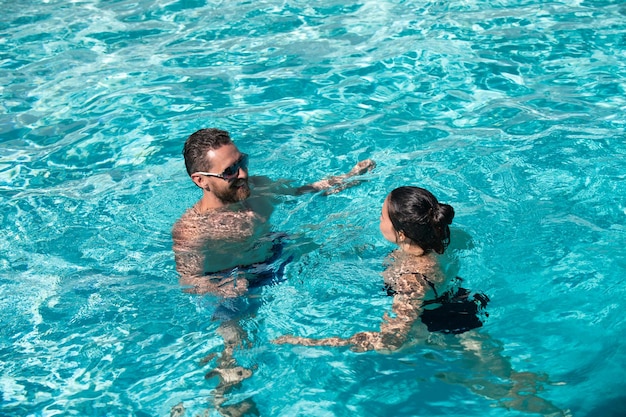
197 146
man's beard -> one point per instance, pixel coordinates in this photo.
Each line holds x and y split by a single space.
236 192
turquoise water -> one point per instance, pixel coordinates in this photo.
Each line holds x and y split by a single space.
513 112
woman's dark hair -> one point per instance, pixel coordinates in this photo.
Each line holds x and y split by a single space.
197 146
416 212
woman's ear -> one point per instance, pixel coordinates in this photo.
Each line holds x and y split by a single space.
400 237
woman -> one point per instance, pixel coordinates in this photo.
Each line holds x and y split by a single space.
413 219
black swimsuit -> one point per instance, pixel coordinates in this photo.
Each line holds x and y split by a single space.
455 311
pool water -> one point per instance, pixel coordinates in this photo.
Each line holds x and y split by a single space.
511 111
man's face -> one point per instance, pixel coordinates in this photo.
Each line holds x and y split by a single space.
232 190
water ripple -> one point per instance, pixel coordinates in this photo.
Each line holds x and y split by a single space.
513 112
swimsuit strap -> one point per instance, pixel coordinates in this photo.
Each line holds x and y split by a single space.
431 284
391 292
425 278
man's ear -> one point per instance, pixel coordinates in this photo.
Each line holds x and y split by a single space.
200 181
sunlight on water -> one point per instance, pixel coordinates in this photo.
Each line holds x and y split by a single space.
512 112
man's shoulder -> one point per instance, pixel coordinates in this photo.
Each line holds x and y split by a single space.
181 230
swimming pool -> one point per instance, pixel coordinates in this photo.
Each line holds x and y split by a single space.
513 112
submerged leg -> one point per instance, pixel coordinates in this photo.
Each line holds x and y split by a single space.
178 410
491 375
230 374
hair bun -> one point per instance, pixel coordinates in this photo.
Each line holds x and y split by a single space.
442 215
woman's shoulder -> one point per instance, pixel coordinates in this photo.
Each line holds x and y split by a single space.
403 263
411 275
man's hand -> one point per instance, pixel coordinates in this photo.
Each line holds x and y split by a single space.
232 287
338 183
227 287
362 167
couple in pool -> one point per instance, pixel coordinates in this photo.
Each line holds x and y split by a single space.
217 239
223 245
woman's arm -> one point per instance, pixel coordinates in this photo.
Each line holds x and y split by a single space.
406 308
392 335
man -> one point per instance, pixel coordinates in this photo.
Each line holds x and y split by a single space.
228 227
223 244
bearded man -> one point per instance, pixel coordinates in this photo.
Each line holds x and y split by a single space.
228 228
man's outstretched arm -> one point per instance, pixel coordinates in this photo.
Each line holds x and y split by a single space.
338 183
330 185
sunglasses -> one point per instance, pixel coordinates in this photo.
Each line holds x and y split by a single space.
232 172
